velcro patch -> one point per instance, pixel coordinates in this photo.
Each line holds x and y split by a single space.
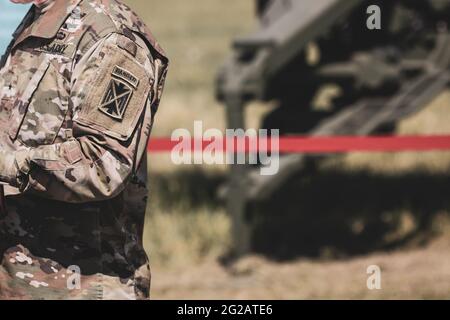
115 103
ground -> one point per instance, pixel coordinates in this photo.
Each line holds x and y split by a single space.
396 204
421 273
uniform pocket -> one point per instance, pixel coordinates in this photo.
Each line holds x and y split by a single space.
39 112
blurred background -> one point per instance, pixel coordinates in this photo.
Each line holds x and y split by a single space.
316 232
10 17
333 218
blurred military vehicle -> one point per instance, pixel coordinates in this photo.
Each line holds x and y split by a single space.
330 73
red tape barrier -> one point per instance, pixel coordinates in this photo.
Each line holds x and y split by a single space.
332 144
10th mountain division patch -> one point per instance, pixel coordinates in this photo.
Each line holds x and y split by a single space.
118 93
116 99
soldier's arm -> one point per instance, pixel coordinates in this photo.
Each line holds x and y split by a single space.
115 92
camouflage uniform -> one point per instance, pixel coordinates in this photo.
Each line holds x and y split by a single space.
79 86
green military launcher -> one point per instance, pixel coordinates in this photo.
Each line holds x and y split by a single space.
301 47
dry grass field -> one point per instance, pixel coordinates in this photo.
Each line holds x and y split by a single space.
187 229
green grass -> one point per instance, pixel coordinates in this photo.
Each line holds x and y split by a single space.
182 237
196 36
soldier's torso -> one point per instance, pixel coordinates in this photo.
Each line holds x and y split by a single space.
46 243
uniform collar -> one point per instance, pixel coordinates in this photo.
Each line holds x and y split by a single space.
48 24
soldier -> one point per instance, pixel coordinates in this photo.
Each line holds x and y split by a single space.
79 86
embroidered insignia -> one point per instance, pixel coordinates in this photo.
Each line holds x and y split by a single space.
126 75
116 99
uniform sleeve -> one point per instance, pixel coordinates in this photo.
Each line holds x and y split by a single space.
115 92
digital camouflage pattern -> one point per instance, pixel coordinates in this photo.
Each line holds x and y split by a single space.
79 87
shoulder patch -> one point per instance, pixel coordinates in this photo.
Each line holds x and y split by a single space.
118 96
